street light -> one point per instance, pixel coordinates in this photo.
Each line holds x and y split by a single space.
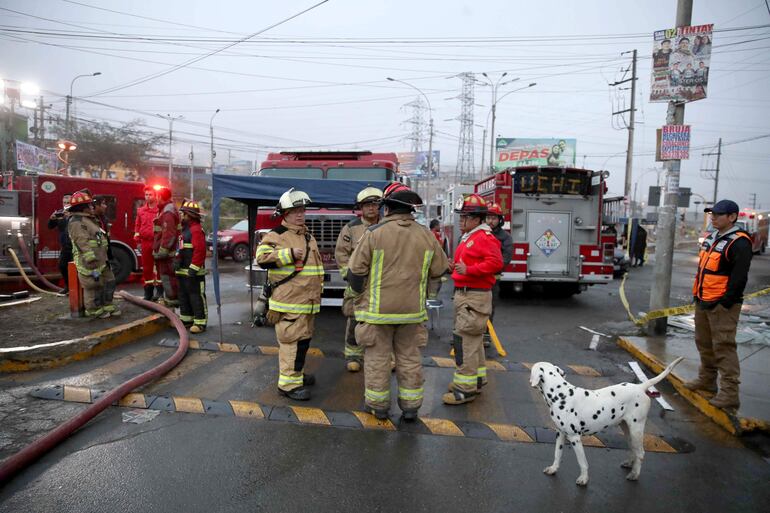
430 141
211 130
69 98
494 87
65 147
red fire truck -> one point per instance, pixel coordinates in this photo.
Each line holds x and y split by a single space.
326 224
555 217
29 204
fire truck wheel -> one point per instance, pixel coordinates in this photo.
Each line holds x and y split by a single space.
240 252
121 264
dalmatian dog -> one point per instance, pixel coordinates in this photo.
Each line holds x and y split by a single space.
576 412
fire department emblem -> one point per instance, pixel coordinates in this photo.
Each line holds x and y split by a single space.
548 242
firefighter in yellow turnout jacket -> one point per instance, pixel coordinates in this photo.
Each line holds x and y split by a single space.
295 274
389 272
368 200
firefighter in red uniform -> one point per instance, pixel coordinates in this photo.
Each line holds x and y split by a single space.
166 231
477 260
190 260
144 237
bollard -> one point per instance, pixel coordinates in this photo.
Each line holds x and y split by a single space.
77 308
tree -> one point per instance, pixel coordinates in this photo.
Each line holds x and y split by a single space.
101 145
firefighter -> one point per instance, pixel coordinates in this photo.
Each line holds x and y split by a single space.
368 201
100 213
89 247
189 265
58 220
295 277
495 220
723 267
477 260
388 276
144 236
166 229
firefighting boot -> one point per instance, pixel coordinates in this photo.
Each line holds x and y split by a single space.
158 293
353 365
197 328
297 394
456 397
480 383
703 384
148 289
409 415
308 380
379 414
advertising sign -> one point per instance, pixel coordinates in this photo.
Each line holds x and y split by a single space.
534 152
33 159
680 63
675 142
416 164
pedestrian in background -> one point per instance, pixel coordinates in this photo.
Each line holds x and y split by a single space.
723 268
58 220
89 247
368 201
389 277
166 227
477 260
295 278
640 247
190 269
144 236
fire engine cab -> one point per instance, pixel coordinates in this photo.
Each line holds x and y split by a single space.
555 219
26 207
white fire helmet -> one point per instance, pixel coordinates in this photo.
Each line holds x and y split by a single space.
369 195
292 199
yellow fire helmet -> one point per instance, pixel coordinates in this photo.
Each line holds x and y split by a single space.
369 195
292 199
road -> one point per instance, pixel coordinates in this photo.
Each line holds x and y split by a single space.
208 462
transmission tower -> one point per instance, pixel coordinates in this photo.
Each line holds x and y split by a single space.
465 169
416 123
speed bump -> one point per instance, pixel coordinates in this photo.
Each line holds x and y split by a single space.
310 416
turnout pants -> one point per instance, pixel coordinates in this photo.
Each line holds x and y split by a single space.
192 300
167 277
353 351
472 310
403 340
148 264
715 338
97 293
293 332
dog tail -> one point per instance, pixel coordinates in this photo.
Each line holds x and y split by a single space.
657 379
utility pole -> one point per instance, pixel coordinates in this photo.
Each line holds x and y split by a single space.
192 174
630 147
483 153
664 249
171 120
753 200
715 170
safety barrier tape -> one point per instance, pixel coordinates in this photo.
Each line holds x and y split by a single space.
668 312
359 420
427 361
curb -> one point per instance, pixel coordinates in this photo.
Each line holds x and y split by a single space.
733 424
49 356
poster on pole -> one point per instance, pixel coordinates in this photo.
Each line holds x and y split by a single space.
680 63
675 142
35 160
416 163
517 152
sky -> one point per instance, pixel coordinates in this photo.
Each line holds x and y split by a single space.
320 78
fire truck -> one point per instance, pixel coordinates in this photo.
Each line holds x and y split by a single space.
326 224
556 218
26 207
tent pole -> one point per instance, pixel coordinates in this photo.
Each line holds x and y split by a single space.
251 214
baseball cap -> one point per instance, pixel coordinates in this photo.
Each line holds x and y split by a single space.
723 207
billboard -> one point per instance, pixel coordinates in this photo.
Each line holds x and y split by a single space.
416 163
674 142
680 63
534 152
33 159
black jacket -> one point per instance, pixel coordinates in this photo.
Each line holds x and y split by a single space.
59 221
506 243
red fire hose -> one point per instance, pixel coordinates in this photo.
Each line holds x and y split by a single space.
33 451
31 263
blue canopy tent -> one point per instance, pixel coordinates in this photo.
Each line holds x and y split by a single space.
264 191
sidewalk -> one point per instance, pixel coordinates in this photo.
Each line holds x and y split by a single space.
754 413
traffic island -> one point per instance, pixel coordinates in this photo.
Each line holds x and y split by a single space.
55 354
754 413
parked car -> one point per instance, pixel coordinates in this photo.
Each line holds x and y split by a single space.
620 263
233 242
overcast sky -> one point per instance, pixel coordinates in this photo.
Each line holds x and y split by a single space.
320 79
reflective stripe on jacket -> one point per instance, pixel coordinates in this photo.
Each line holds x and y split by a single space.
391 267
347 241
192 249
714 268
301 294
89 243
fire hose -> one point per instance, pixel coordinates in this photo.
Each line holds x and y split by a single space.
25 252
33 451
26 278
